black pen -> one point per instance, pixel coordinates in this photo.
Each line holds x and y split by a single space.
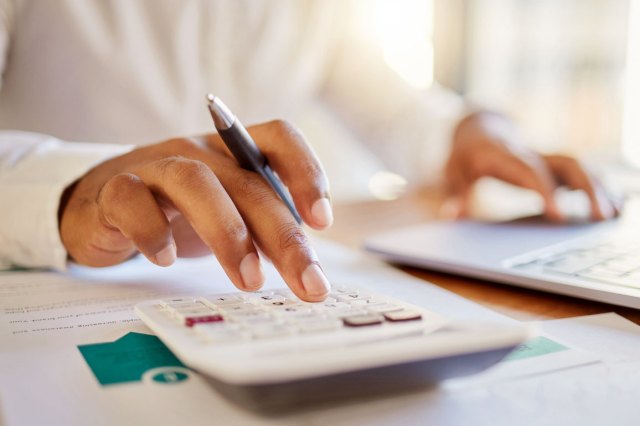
245 150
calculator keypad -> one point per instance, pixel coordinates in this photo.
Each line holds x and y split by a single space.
273 314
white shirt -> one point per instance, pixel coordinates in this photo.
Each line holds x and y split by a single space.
112 74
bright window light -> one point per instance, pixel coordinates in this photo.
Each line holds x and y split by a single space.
631 125
404 29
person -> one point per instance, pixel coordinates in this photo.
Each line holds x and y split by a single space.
145 174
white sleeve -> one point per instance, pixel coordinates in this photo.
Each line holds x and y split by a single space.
6 21
410 130
35 169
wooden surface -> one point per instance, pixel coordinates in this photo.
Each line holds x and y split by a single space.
356 220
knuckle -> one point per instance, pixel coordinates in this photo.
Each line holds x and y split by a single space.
184 171
119 188
480 166
179 146
286 130
565 161
292 237
572 162
313 171
233 230
251 187
282 126
153 235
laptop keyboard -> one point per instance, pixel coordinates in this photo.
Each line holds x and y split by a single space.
606 260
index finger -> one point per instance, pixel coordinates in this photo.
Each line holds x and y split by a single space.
536 176
275 231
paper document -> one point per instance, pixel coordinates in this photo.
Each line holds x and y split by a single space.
52 325
66 340
540 355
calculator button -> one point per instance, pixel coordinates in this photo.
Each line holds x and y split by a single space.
270 330
259 320
330 306
279 303
319 325
241 307
270 298
351 313
182 314
403 315
384 308
191 321
345 312
178 300
182 305
261 295
222 300
326 301
220 332
366 303
362 320
291 310
240 313
341 289
189 307
216 326
255 315
353 296
301 317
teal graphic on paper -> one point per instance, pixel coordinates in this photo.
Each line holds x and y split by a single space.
128 358
535 347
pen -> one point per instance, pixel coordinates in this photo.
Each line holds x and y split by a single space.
245 150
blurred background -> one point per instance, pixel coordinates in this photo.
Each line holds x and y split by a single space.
568 71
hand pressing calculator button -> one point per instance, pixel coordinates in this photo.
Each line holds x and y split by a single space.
270 338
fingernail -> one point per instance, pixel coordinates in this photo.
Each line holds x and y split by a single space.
322 213
450 209
553 212
167 255
251 271
314 282
555 216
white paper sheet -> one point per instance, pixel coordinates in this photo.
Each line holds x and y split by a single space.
45 380
44 316
604 393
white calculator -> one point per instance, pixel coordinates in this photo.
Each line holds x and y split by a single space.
253 344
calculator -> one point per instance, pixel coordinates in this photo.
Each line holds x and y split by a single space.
251 345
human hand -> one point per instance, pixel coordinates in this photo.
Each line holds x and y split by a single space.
188 196
487 144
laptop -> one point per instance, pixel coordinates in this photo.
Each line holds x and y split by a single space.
595 261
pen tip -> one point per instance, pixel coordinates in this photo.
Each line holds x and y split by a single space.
222 117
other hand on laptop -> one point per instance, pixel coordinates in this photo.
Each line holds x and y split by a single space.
486 144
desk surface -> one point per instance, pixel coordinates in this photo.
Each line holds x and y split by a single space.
354 221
